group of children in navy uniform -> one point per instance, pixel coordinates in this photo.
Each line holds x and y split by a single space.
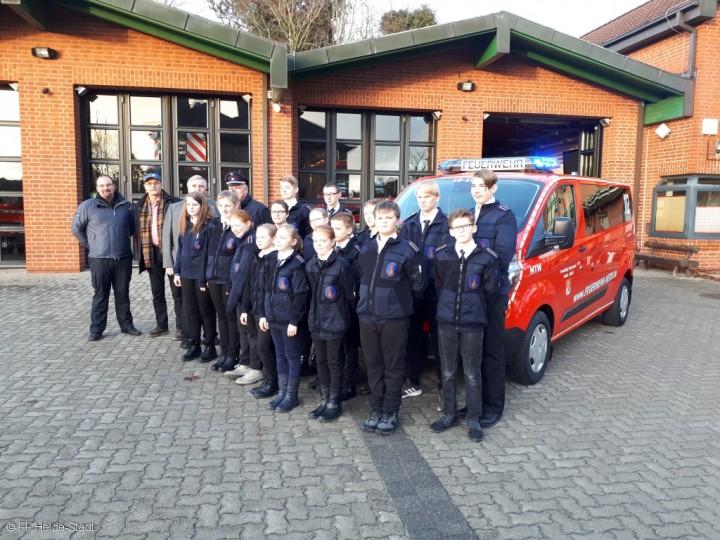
307 274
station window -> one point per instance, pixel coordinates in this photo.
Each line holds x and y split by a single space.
686 207
12 215
367 154
177 136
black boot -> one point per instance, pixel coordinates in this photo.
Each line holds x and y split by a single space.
185 342
324 394
333 409
210 353
282 388
220 360
291 396
193 352
230 362
268 388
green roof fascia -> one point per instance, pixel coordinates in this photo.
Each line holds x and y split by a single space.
496 48
32 11
394 46
671 108
632 78
193 32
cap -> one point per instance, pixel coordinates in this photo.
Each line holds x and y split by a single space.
234 178
152 176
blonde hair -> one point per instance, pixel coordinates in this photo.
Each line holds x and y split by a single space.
429 187
294 235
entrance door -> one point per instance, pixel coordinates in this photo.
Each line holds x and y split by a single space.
12 216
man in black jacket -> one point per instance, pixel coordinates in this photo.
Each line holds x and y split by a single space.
104 224
152 208
238 182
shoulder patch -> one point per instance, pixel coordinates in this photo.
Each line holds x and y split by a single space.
300 259
356 248
250 240
441 248
503 208
412 245
491 252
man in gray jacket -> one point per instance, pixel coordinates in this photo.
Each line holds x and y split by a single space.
104 225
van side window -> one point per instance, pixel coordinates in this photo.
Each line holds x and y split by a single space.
561 203
604 207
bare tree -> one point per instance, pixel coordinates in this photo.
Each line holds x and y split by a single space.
399 20
171 3
302 24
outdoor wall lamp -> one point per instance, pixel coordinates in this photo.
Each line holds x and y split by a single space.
276 107
14 86
467 86
604 122
81 90
662 131
247 98
45 53
436 115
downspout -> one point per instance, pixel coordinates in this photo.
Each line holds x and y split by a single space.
265 142
680 23
637 184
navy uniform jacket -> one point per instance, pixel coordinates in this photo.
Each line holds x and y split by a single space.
465 288
243 264
437 234
191 257
299 217
252 299
333 294
285 288
259 213
391 280
350 253
497 230
221 247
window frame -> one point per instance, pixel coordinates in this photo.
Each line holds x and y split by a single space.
691 187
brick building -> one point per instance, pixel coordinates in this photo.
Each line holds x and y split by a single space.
133 86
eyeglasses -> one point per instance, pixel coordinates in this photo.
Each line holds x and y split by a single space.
461 228
278 212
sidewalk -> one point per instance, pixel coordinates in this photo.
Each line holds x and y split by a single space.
620 439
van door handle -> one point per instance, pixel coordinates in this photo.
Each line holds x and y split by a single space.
582 249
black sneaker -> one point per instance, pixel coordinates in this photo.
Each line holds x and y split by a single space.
388 424
446 421
372 421
475 431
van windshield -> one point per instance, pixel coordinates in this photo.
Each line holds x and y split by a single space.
518 194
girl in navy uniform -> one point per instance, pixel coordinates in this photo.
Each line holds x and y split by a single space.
285 291
253 299
329 318
242 226
189 274
221 247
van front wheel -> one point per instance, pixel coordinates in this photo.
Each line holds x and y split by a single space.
534 353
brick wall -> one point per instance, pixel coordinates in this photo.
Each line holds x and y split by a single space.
96 54
685 151
511 85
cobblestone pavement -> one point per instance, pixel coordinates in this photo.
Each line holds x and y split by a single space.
621 439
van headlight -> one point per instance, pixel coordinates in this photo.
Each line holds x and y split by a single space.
513 272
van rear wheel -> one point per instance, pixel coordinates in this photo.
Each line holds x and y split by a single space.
617 314
535 349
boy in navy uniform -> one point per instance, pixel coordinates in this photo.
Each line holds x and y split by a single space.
466 281
427 229
391 281
497 230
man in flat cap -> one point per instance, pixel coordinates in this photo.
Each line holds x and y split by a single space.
238 182
152 209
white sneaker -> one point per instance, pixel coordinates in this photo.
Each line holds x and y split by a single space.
237 372
410 390
252 376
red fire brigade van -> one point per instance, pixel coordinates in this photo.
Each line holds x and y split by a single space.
574 256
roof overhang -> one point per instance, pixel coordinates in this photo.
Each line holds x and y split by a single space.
692 14
175 26
666 96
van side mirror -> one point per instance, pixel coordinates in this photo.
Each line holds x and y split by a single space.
563 234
